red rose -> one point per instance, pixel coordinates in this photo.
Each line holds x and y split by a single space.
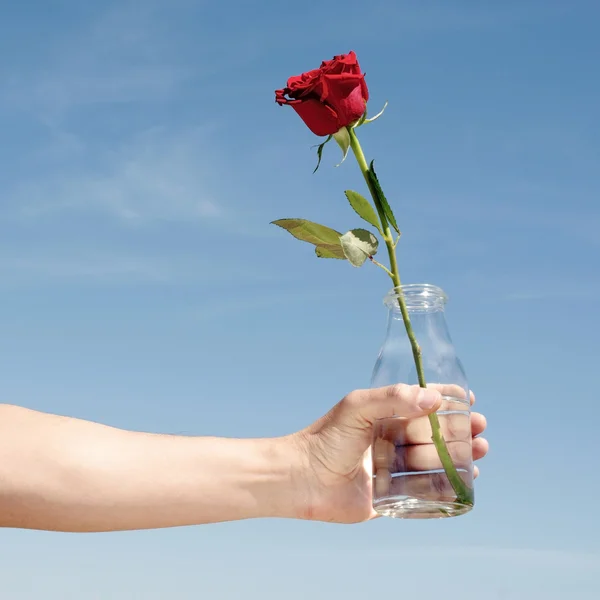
330 97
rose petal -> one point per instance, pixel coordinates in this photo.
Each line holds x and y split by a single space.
344 93
330 97
318 117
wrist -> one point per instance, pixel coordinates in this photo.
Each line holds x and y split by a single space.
280 478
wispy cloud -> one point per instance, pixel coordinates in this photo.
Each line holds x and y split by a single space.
558 209
118 56
503 556
97 269
93 102
156 175
534 285
533 557
423 18
573 292
105 268
251 301
123 52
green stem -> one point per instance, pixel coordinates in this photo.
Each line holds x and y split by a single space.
378 264
464 494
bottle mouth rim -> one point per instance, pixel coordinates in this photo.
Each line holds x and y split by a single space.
417 296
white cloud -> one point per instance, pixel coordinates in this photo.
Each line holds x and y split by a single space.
36 267
128 52
120 56
124 54
564 291
251 301
505 557
157 175
423 18
533 557
100 269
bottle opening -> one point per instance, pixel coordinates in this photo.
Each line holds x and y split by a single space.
417 297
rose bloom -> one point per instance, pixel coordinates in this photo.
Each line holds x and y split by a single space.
330 97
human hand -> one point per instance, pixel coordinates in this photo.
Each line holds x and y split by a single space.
336 468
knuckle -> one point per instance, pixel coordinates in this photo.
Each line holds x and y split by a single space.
354 399
399 391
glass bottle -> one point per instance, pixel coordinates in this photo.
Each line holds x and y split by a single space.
409 478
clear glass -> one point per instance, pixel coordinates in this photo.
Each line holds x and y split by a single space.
409 480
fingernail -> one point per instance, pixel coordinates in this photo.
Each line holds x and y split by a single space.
427 399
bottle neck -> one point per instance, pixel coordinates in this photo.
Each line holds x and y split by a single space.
429 326
417 297
396 363
425 307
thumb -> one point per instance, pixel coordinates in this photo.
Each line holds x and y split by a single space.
362 408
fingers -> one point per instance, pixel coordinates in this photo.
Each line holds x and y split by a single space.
409 459
478 423
480 448
363 407
452 389
421 468
419 486
454 426
426 458
421 457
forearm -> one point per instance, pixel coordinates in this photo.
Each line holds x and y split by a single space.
65 474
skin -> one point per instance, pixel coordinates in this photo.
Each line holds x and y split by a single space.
64 474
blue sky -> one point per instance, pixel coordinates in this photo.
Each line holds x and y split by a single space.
142 286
